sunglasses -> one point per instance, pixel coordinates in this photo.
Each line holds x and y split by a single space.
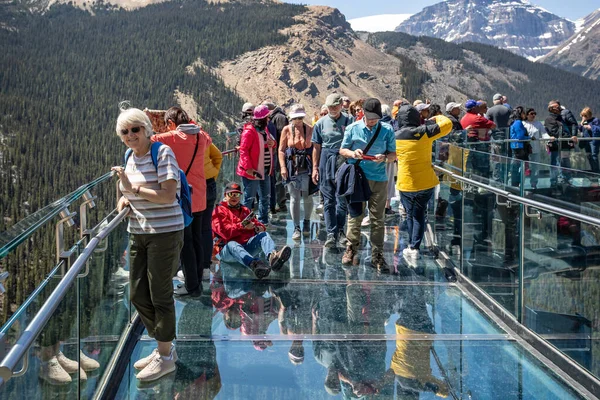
135 129
532 113
234 194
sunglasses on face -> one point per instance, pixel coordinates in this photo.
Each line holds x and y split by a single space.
135 129
532 113
234 195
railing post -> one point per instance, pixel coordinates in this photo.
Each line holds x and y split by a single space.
83 209
63 255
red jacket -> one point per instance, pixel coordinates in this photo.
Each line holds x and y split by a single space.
227 224
250 152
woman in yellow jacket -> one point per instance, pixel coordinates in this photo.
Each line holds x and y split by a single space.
416 177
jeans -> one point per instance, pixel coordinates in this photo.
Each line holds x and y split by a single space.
245 254
455 200
556 160
335 209
263 188
415 204
594 149
520 156
534 167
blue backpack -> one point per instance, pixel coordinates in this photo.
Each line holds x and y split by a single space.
184 198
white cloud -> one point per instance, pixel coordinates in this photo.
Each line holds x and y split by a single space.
378 23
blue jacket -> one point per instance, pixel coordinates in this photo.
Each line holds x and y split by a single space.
518 132
595 132
352 183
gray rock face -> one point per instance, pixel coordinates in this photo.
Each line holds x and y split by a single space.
581 52
513 25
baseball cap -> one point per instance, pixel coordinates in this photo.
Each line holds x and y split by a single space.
497 96
233 187
422 106
452 105
269 104
333 99
261 112
470 104
345 98
297 111
248 107
372 108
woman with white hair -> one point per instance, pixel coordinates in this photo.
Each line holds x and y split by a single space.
156 236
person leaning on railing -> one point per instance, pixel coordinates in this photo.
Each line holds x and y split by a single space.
590 127
156 235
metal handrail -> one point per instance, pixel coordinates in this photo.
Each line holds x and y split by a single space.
21 347
522 200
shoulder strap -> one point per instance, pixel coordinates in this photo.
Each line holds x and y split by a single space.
154 153
373 139
128 153
194 156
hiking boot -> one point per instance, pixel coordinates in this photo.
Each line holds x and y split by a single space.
157 368
53 373
378 262
330 242
278 258
260 269
344 242
297 234
350 256
306 227
87 364
143 362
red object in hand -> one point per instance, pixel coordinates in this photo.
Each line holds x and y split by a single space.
370 158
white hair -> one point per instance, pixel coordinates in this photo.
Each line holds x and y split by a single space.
134 117
385 110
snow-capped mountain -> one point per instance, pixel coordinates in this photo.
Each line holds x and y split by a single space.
378 23
581 52
514 25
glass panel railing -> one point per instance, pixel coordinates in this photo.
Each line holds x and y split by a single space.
562 286
51 368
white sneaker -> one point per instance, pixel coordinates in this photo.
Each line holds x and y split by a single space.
180 276
70 366
53 373
143 362
120 274
157 368
410 256
87 363
366 221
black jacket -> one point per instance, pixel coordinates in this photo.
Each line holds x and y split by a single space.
279 119
556 127
456 126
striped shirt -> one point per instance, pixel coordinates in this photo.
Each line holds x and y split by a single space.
149 217
267 153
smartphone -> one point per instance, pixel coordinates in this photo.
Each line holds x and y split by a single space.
369 158
257 175
248 218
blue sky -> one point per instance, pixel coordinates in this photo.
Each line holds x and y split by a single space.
573 9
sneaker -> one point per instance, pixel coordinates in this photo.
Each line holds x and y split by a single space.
389 212
330 243
143 362
157 368
180 275
297 233
350 256
344 242
87 364
306 227
70 366
366 221
53 373
260 268
296 353
319 209
120 275
182 291
278 258
378 262
410 256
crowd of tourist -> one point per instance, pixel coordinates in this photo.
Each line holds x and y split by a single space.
352 158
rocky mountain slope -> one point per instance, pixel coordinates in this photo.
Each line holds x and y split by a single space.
322 55
515 25
581 52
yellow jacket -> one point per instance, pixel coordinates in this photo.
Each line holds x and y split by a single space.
212 162
413 148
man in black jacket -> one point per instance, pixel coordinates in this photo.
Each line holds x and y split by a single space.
560 153
279 120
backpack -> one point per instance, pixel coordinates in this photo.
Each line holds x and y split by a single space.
184 198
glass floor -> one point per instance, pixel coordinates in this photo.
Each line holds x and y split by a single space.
316 330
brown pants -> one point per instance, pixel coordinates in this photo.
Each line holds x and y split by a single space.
376 206
154 259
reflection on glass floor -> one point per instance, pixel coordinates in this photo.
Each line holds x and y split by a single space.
317 330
